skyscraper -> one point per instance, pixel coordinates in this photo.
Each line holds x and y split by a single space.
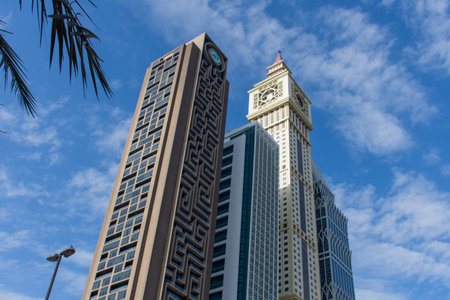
283 109
157 237
336 277
245 264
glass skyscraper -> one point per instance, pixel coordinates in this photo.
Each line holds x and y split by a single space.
334 252
157 237
245 264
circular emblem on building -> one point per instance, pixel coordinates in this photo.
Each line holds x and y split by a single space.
215 56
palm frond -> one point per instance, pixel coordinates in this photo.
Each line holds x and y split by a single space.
74 40
12 64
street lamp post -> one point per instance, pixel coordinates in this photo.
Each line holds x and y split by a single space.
57 257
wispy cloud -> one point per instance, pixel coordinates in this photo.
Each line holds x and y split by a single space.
112 138
38 138
116 84
433 158
432 20
377 295
349 60
91 189
74 281
13 240
404 234
11 295
83 258
12 188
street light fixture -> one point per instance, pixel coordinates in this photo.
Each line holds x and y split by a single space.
57 257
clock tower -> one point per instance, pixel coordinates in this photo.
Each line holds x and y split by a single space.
283 109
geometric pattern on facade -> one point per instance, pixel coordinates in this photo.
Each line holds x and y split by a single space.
139 223
118 251
334 252
194 218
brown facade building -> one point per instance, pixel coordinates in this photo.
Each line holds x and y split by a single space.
157 237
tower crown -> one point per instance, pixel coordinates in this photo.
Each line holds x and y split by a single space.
277 67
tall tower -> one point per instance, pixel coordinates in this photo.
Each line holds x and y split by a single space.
157 237
245 264
336 278
280 105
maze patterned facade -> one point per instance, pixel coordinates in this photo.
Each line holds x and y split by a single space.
156 240
197 193
334 252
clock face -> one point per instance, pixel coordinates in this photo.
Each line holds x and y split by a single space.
215 56
301 101
266 95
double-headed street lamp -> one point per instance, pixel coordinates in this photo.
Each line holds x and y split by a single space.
57 257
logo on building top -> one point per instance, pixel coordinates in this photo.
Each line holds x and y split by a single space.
215 56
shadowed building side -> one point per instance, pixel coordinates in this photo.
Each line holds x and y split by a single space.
157 237
336 278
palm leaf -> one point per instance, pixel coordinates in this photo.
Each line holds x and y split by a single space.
72 39
12 64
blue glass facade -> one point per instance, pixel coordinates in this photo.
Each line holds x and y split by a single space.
245 253
336 277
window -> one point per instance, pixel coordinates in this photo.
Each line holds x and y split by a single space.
222 209
227 150
227 161
218 266
221 222
216 282
220 236
225 172
224 196
219 250
216 296
225 184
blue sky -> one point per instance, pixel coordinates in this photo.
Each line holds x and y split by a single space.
377 73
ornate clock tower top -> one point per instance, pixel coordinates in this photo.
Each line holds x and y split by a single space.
279 90
277 67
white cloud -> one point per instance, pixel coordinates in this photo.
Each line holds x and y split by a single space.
445 170
404 234
349 61
13 240
12 188
37 137
431 18
11 295
74 282
433 158
82 258
91 189
377 295
112 139
377 131
116 84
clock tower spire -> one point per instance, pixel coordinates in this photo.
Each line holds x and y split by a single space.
283 109
278 66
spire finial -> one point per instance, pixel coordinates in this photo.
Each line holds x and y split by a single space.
278 57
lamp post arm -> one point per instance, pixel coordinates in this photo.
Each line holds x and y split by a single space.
53 277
